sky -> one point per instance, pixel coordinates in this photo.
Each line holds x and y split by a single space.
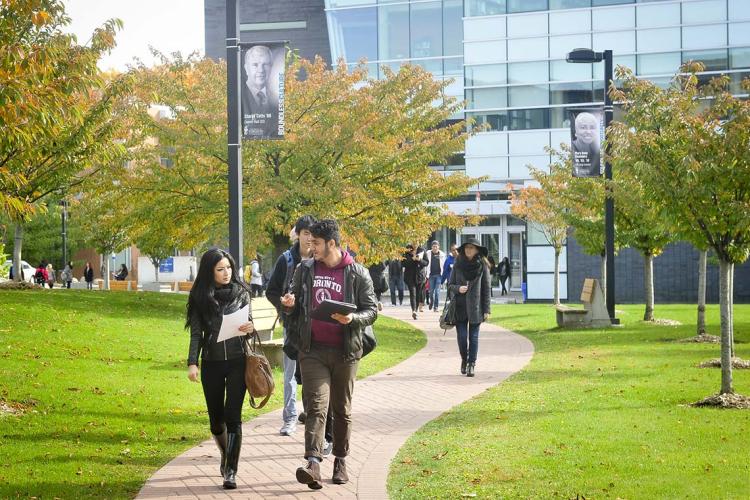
167 25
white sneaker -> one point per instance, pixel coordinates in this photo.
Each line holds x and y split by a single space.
380 306
288 428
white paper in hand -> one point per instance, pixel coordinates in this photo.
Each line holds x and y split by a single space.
231 323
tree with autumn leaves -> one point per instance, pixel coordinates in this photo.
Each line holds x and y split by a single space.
356 148
58 113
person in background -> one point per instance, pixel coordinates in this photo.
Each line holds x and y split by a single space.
121 273
413 265
217 291
448 265
396 280
40 275
88 275
470 286
436 262
380 285
278 286
51 275
504 272
67 275
256 277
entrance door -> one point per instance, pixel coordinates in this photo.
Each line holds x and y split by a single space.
490 239
515 255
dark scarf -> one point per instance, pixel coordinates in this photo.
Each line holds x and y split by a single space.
226 294
470 268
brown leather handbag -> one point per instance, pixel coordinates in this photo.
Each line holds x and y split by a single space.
258 375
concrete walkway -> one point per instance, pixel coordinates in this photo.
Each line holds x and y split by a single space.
387 408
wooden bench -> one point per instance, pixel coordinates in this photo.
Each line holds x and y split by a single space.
123 285
264 317
594 313
182 286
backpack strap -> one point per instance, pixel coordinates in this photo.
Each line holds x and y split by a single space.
289 270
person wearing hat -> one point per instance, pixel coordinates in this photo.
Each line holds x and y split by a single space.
469 284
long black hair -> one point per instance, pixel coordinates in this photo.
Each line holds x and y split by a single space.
202 301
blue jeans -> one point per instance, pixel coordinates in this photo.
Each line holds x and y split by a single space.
470 337
435 290
290 388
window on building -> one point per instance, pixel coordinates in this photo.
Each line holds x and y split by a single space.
528 72
659 64
739 9
569 4
736 82
656 15
526 119
453 28
569 21
426 29
570 93
599 3
705 11
619 42
484 7
613 19
559 46
526 5
393 32
739 33
529 25
528 48
488 74
664 39
713 60
354 34
704 37
487 98
565 71
739 58
528 95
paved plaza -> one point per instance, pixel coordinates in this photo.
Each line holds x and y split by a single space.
387 408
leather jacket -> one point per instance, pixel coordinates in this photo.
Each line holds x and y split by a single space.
358 290
203 338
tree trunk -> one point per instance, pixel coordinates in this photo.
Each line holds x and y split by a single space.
725 306
556 283
702 293
156 263
731 309
106 270
17 244
603 276
280 244
648 282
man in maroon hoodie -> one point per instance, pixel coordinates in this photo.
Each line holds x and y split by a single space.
329 351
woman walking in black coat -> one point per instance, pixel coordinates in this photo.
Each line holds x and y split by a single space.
218 290
469 285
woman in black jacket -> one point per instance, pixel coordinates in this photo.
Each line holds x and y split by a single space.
218 290
469 285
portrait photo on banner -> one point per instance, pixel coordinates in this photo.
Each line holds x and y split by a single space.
262 66
586 131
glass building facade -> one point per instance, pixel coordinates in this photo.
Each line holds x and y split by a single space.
508 60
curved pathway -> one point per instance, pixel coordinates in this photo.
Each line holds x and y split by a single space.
387 408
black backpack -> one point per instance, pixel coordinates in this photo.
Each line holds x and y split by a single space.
39 276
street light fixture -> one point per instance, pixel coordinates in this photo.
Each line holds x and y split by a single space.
591 56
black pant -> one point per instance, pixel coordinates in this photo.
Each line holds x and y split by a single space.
220 379
503 279
416 292
257 290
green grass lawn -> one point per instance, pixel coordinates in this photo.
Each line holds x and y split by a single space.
596 414
103 378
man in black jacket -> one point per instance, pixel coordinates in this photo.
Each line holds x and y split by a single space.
329 348
278 285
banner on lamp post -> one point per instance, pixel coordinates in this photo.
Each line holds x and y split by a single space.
586 133
262 67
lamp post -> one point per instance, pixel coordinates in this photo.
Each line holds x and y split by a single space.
234 146
590 56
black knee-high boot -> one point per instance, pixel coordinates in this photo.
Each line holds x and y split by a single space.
234 443
221 443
